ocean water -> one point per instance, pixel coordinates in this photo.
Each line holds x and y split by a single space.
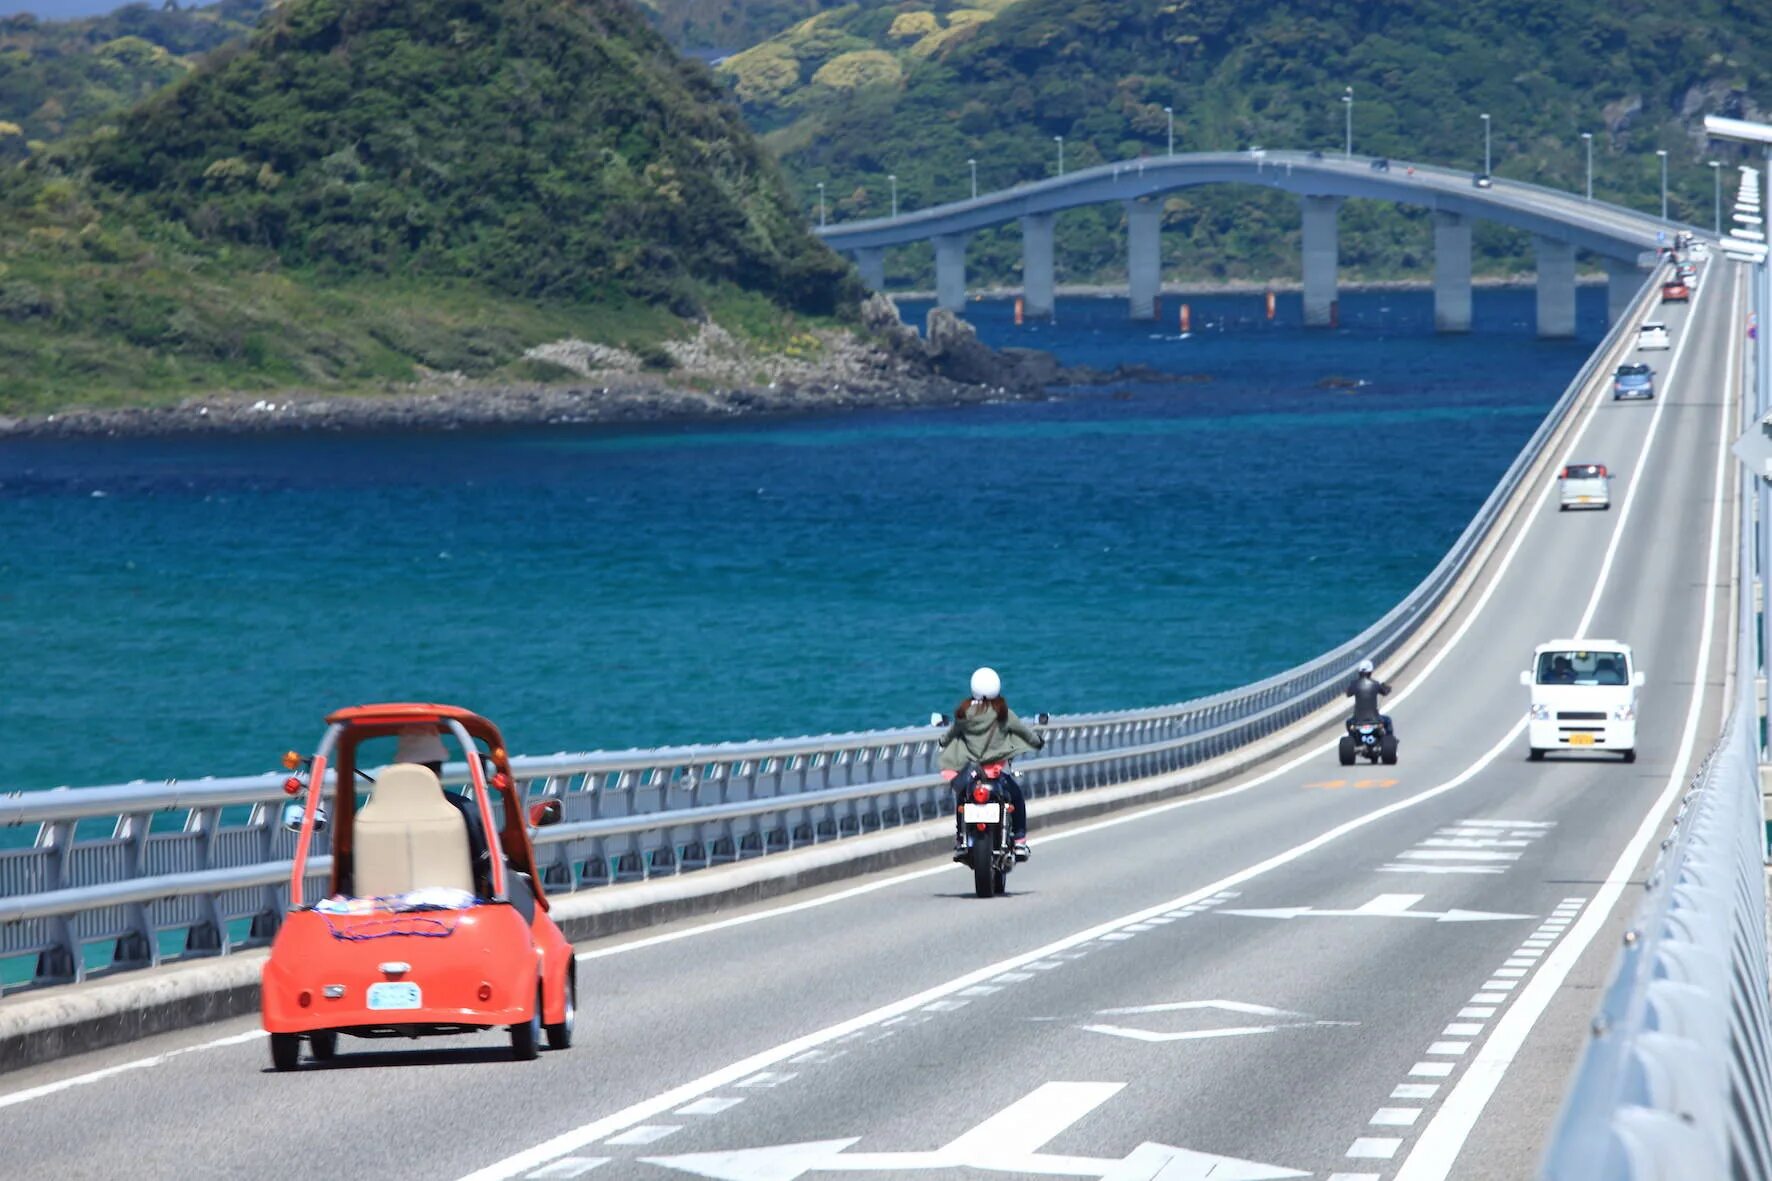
174 608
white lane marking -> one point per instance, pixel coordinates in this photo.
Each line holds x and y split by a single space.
1442 1140
1418 867
1374 1148
1353 1177
1415 1090
1511 823
1454 855
1462 1029
569 1166
81 1080
1431 1069
1449 1049
1385 906
1004 969
768 1078
645 1134
1032 1121
1395 1117
1490 998
712 1105
1480 1011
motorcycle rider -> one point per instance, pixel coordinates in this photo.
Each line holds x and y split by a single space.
1366 689
987 731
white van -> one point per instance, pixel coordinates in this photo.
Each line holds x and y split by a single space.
1584 485
1584 697
1652 336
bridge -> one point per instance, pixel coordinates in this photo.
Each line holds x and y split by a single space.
1560 224
1229 958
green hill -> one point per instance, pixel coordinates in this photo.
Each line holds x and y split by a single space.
727 24
369 186
916 89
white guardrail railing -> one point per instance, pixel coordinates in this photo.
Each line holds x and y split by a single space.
1676 1079
133 874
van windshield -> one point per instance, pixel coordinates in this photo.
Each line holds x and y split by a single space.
1583 471
1582 668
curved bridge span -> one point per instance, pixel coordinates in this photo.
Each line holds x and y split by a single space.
1561 224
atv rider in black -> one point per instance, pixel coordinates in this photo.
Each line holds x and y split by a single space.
1366 689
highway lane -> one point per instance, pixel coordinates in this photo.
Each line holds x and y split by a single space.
661 1016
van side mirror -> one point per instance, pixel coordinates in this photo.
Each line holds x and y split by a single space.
1636 678
544 813
1526 677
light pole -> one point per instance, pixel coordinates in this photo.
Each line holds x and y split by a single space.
1170 111
1059 140
973 164
821 203
1347 102
1662 152
1716 178
1485 119
1588 139
893 179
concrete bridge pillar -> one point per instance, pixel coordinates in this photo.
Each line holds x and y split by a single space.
1452 272
1556 286
1321 258
1036 266
871 261
1144 256
1623 280
950 271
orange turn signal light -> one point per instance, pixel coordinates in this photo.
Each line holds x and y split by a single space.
291 760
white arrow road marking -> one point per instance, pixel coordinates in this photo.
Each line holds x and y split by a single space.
1390 906
1007 1142
1288 1020
1182 1006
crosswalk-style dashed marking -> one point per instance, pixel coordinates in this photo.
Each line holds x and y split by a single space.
1470 847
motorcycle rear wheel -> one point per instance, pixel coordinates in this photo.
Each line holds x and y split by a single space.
983 872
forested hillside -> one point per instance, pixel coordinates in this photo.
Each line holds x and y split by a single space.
371 185
916 89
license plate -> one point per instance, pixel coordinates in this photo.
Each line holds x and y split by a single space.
1581 740
395 994
983 814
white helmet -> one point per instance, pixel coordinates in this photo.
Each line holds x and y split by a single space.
986 683
1365 666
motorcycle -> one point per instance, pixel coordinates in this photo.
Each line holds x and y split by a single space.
986 815
1368 740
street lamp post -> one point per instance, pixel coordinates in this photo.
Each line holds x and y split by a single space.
973 164
1662 152
1588 140
821 203
1347 102
1716 177
1170 111
892 178
1485 119
1059 140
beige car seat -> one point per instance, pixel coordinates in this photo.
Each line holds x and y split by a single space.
408 837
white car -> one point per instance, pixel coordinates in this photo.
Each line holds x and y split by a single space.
1584 697
1652 336
1584 485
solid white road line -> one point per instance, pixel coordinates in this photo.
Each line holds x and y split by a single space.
1441 1141
81 1080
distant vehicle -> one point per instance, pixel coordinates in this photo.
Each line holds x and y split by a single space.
1687 271
435 920
1675 291
1381 165
1584 485
1257 151
1633 379
1652 336
1700 251
1583 698
1483 180
1316 153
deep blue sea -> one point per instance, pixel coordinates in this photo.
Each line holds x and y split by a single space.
174 608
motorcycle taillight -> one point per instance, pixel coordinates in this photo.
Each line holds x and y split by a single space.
982 794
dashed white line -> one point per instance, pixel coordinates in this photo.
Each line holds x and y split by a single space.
1374 1148
712 1105
645 1134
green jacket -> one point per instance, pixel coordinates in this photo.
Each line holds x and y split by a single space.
982 738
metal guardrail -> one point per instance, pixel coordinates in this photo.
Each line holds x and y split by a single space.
129 875
1676 1080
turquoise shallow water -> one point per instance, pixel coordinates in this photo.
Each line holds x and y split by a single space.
172 608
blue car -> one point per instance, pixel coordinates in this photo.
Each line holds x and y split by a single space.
1633 380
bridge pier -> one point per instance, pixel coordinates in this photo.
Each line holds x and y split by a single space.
1144 256
1452 272
871 261
1036 266
1623 280
1321 258
950 271
1556 286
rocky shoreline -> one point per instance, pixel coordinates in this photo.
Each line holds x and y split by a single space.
884 364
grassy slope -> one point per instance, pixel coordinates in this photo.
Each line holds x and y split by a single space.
379 185
1639 74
